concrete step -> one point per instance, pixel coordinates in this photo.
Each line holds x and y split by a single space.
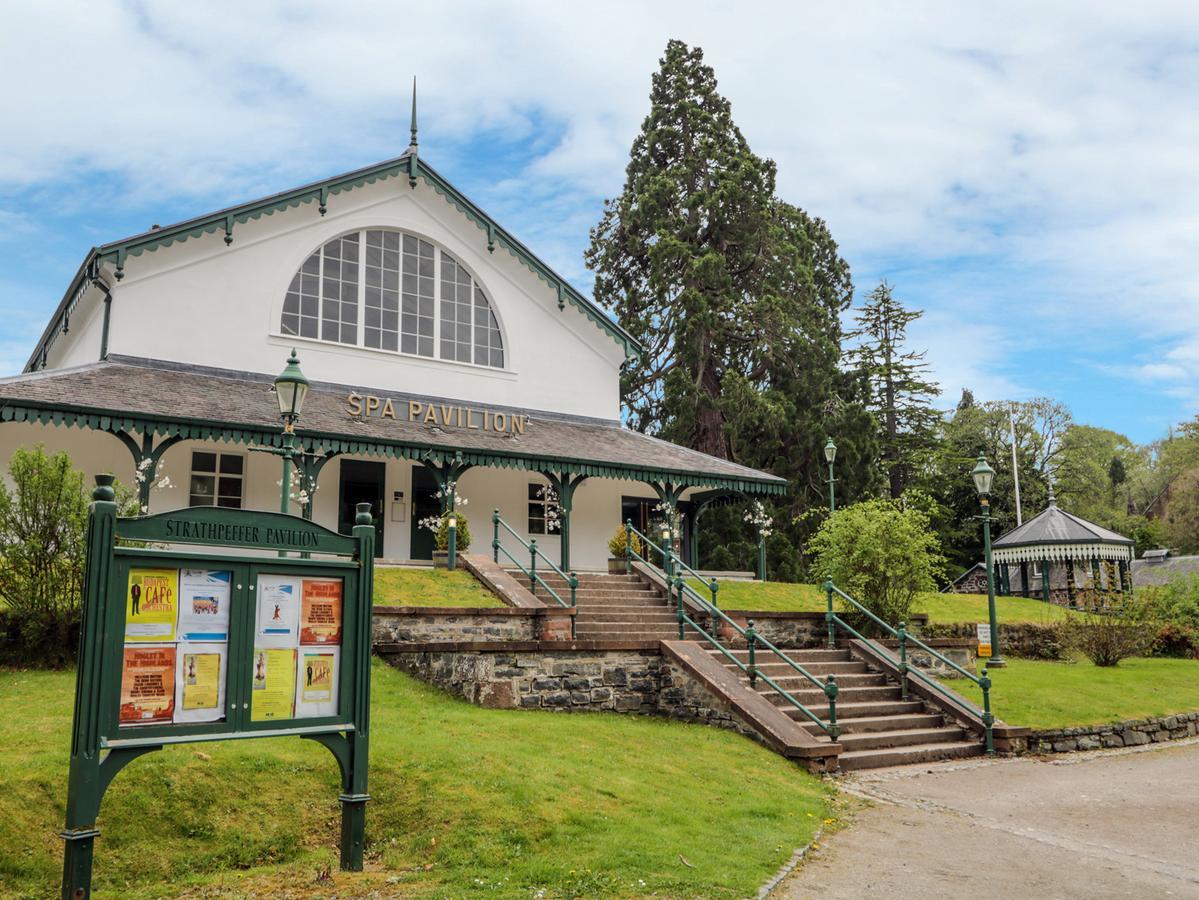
820 669
634 614
803 657
854 760
884 724
811 695
846 711
627 631
907 737
602 597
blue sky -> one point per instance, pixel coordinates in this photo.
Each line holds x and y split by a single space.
1028 175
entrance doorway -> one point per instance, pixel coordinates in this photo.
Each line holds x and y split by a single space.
425 503
361 482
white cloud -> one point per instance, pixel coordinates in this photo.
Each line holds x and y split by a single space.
1023 165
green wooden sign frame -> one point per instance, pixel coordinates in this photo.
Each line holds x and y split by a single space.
101 746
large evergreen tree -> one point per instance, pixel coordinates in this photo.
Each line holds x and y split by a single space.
737 297
901 393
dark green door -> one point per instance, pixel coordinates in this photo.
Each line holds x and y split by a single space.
424 503
361 482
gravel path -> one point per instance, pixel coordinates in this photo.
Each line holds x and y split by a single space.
1121 823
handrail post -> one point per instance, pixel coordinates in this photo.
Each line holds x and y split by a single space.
628 547
751 638
495 537
903 660
830 691
533 567
984 682
574 601
714 587
828 616
678 588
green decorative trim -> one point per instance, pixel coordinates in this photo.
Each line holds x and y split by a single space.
318 442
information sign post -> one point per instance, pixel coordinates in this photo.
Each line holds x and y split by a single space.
181 644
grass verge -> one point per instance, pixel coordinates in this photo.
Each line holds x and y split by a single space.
466 801
1042 694
774 596
419 586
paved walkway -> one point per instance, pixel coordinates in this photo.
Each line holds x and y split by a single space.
1106 824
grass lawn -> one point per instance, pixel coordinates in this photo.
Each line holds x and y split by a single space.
466 801
774 596
418 586
1043 694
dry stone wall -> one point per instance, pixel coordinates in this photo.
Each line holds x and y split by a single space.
1124 734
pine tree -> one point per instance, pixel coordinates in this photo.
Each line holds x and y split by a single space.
901 393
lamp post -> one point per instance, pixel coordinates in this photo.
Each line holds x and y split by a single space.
830 454
983 475
291 387
452 542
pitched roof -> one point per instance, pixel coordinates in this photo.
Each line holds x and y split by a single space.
1162 570
124 393
319 192
1054 525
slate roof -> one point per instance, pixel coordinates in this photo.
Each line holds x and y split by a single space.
1054 525
127 387
1160 571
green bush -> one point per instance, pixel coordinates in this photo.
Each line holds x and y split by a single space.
441 535
43 520
1116 627
880 552
619 543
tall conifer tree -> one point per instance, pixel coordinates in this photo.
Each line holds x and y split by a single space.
901 393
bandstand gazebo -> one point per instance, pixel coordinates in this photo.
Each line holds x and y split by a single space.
1056 554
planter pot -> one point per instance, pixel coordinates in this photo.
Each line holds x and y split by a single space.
616 566
441 559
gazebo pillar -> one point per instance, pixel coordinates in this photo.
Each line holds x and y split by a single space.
1024 579
1045 581
1005 580
1070 599
1125 577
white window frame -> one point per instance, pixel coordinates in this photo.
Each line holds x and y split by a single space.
437 300
545 505
216 476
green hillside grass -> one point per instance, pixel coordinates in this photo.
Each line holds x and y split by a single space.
419 586
774 596
466 801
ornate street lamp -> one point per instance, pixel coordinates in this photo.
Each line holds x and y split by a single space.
830 454
291 387
983 475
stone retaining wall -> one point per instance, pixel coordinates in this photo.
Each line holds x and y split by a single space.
795 630
423 624
629 679
1123 734
1027 640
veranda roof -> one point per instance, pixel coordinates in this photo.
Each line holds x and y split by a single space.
1057 535
126 394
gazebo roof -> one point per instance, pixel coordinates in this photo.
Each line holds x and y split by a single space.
1054 534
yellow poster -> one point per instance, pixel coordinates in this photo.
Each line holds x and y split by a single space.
151 605
273 684
200 683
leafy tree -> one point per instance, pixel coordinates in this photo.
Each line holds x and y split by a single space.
43 519
901 394
882 553
1182 513
1093 463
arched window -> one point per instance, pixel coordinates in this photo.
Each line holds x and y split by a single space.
389 290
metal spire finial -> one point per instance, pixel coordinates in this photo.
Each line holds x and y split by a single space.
412 142
1052 498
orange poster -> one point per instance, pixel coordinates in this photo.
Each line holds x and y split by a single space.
320 612
148 686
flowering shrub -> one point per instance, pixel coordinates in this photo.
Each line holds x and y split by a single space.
757 519
440 524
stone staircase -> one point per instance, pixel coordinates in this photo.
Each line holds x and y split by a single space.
878 728
615 607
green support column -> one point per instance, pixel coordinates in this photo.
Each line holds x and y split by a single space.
447 473
310 466
761 556
1071 600
1045 595
354 796
146 457
1024 579
563 484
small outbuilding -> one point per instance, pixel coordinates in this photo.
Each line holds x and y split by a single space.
1057 556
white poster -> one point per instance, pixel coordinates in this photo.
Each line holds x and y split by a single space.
204 605
317 682
200 682
278 611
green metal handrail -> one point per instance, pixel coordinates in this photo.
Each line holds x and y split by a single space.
497 547
677 589
904 637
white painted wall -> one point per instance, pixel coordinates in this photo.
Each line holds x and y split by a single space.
595 517
203 302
